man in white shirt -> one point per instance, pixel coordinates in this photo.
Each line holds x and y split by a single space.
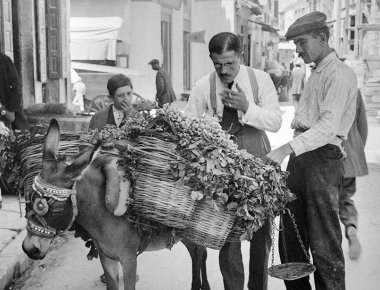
322 120
246 101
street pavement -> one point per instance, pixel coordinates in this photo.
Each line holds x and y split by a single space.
66 266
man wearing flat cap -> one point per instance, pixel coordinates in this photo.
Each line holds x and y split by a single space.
322 120
164 89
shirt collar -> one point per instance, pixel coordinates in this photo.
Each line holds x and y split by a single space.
117 113
326 61
238 77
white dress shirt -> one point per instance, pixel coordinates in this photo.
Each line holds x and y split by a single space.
118 115
267 116
327 106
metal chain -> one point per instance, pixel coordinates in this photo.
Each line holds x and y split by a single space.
283 238
299 236
273 227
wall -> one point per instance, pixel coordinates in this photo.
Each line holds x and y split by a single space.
223 19
101 8
145 35
177 51
140 34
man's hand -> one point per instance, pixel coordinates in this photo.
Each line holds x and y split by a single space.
277 156
126 107
235 99
8 116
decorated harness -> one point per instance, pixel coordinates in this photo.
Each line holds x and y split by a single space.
47 196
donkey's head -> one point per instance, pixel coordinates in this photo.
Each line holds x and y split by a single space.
51 202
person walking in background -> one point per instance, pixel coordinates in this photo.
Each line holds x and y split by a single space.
246 101
79 89
323 118
164 89
298 83
354 165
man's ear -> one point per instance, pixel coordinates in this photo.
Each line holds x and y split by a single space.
241 57
323 36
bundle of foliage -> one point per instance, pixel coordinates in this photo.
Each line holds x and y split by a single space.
216 170
10 163
21 155
210 163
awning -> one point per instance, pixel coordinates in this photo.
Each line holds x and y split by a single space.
172 4
250 5
105 68
94 38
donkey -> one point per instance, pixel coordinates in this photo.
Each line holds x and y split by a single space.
65 192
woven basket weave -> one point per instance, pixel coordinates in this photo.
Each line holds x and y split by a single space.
156 195
31 157
209 227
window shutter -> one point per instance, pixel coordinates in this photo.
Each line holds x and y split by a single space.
53 39
6 28
64 37
41 41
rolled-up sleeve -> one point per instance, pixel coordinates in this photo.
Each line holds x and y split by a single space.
339 98
268 116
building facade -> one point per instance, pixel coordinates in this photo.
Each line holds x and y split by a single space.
37 35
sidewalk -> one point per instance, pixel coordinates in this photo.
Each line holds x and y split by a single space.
13 261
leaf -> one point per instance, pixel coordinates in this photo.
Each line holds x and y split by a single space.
224 197
197 195
247 215
210 164
232 206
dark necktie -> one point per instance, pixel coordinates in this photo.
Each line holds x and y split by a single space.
230 119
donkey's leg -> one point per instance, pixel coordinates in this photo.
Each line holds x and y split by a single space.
195 264
111 271
202 256
129 264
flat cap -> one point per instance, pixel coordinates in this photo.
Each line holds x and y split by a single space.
305 24
154 61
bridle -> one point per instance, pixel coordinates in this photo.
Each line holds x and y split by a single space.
47 195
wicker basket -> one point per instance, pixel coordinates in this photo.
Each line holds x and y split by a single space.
156 195
209 227
31 157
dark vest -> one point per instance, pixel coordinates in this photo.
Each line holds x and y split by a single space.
254 140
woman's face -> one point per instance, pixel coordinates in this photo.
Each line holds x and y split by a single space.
122 98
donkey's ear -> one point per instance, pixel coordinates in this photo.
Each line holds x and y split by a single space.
80 165
51 141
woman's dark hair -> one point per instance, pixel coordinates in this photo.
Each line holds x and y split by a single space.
224 41
118 81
